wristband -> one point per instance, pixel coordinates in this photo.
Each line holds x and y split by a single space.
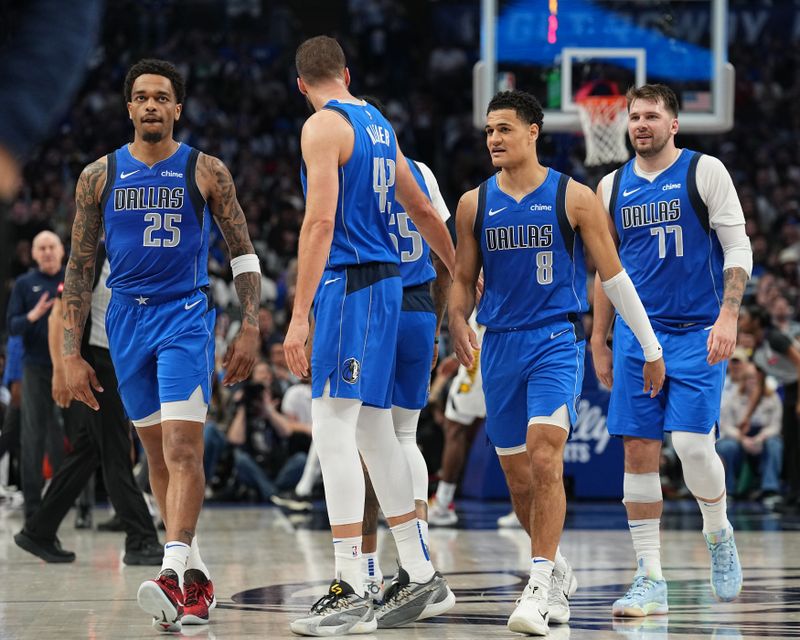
245 264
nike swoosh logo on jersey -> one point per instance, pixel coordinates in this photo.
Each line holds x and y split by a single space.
709 328
332 280
627 193
495 212
124 175
553 336
37 288
188 306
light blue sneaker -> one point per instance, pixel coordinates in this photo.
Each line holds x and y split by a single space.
726 571
645 597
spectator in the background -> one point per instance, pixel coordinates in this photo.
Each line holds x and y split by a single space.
266 328
782 316
759 441
28 310
736 365
778 355
283 378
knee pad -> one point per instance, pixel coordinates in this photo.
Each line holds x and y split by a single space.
641 487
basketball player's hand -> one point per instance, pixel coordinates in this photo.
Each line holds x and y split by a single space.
654 374
294 346
61 394
81 379
603 363
722 337
465 342
241 355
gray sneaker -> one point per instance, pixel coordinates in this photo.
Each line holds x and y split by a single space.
405 602
562 586
340 611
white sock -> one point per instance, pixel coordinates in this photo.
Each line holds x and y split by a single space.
175 556
195 561
347 554
715 515
412 550
541 574
646 536
371 567
445 493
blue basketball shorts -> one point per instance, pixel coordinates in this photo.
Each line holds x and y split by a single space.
356 314
14 352
691 396
530 373
162 350
415 337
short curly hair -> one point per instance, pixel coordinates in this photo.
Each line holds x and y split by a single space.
157 68
526 106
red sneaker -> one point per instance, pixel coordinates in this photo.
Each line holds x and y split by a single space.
162 598
198 597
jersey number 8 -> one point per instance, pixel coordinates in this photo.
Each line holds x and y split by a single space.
169 222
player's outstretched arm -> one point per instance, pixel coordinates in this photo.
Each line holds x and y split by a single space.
586 213
422 212
462 292
216 182
325 135
603 314
78 280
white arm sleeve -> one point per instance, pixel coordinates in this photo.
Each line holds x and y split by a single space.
623 296
736 248
715 186
433 188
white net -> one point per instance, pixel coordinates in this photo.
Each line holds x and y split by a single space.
604 120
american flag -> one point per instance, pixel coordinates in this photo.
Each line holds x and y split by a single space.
697 101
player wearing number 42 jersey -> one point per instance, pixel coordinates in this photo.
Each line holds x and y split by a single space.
348 266
682 238
154 199
526 226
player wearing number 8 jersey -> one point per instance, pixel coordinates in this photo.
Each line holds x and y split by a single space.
348 266
682 238
154 199
525 226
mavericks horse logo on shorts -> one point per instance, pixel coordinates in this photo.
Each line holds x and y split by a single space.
351 370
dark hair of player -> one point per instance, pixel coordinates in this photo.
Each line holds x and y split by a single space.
655 93
157 68
526 106
318 59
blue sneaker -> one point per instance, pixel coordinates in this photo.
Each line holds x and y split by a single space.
726 571
645 597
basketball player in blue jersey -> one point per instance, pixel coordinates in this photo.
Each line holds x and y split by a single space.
154 199
525 226
681 235
426 282
348 266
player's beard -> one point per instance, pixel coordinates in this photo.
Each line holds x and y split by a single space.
153 137
656 145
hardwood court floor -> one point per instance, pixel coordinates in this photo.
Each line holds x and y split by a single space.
268 568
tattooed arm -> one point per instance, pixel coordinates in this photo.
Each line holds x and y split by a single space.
216 184
722 337
78 280
440 287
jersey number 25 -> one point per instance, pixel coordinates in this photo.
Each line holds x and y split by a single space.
155 219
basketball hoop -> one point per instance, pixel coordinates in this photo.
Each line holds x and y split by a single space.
604 120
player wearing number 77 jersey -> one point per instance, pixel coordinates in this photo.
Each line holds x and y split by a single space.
682 238
526 226
154 199
348 266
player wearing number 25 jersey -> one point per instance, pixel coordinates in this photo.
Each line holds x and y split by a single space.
525 227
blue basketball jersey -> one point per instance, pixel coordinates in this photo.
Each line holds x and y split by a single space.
533 265
667 245
366 189
156 224
415 255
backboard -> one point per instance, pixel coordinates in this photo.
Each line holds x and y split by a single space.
560 50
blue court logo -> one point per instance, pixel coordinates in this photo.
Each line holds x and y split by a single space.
351 370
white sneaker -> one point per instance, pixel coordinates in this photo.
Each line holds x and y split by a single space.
440 515
509 521
562 586
532 613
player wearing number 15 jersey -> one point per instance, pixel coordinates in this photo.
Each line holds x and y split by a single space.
154 198
348 266
526 226
682 238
